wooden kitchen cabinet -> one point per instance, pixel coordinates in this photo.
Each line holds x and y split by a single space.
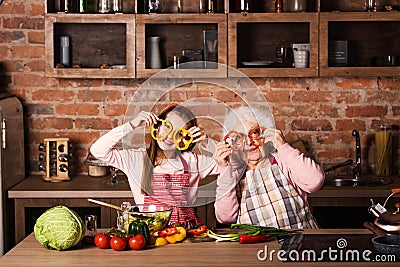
246 41
254 38
372 43
95 39
178 33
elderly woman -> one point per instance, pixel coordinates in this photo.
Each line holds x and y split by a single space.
265 181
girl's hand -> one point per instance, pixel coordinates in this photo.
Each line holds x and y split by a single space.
198 134
222 154
274 136
144 118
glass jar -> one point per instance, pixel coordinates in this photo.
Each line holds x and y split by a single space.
104 6
383 144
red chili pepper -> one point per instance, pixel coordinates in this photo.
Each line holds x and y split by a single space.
251 239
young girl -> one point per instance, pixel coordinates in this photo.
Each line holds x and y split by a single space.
167 171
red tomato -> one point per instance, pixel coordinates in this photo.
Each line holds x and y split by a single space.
117 243
102 241
137 242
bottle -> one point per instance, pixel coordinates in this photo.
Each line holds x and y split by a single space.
279 6
297 5
370 5
245 5
65 57
117 6
104 6
153 57
68 6
211 6
82 6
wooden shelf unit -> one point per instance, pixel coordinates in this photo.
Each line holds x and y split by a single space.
369 34
272 30
99 38
178 32
241 36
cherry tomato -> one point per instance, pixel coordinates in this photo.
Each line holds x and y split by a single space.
117 243
137 242
102 241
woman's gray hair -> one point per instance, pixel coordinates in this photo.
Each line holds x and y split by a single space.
235 117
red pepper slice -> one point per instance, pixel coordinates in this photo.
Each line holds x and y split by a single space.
198 231
251 239
166 232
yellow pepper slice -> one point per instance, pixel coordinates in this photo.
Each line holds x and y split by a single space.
177 237
160 241
181 233
182 139
155 126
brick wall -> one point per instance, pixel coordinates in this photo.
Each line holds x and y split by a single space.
321 111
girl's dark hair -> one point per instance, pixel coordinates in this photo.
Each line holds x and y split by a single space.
154 152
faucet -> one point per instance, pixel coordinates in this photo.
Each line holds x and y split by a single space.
357 169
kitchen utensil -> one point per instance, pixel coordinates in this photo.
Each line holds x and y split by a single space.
389 221
389 244
141 216
104 204
373 228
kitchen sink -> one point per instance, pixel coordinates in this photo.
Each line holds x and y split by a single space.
349 180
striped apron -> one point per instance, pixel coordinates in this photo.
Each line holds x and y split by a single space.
268 198
172 190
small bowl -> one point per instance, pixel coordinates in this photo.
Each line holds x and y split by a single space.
388 244
156 216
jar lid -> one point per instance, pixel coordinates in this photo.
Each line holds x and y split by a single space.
385 126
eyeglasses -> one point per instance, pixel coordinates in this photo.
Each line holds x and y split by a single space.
236 140
182 137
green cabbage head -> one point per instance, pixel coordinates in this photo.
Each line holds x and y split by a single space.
59 228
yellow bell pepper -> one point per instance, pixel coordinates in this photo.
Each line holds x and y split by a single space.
160 241
177 237
154 129
182 139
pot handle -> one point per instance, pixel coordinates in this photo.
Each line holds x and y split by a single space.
395 191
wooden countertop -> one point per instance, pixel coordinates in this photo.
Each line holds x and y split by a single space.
84 186
30 253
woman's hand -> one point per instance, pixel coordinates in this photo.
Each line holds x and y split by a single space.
144 118
274 136
222 153
198 134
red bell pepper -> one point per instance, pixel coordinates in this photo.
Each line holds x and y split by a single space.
251 239
198 231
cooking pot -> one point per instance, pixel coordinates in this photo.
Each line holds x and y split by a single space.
387 244
387 220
